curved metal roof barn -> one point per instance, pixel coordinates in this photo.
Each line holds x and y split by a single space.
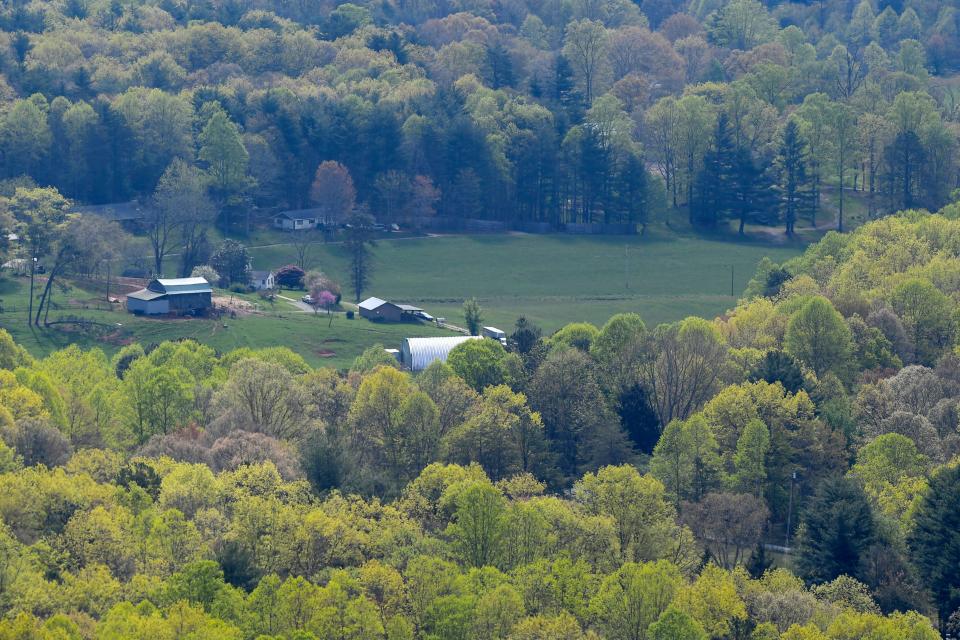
418 353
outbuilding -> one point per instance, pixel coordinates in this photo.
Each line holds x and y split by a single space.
416 354
377 309
171 295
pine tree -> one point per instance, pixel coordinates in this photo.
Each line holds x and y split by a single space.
935 541
565 93
752 195
904 157
499 66
631 191
795 185
838 528
714 200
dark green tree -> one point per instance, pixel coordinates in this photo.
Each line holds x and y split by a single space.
714 187
904 158
837 530
779 366
359 239
499 66
935 541
525 335
752 193
795 186
473 316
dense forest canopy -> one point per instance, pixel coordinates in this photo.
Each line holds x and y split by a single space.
575 111
622 482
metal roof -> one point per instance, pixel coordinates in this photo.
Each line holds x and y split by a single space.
423 351
409 307
145 295
372 303
184 285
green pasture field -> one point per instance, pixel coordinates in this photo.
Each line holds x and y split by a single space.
551 279
320 341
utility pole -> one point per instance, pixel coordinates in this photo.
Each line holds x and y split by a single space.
793 481
626 266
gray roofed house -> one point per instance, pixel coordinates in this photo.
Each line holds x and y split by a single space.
417 354
303 219
171 295
262 280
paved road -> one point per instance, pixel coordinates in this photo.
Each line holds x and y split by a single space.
299 304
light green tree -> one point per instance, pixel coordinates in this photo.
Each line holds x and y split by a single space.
743 24
221 148
585 46
750 459
473 316
477 529
634 597
676 624
818 336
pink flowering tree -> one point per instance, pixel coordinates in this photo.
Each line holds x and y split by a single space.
328 301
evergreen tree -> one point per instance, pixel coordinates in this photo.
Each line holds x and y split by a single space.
565 93
715 184
838 528
631 200
904 158
499 66
752 193
593 171
795 186
935 541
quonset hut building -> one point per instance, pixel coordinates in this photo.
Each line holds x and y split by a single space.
416 354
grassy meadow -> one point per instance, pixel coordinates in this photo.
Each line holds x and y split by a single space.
313 336
551 279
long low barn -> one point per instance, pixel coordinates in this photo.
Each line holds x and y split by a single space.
417 354
171 295
377 309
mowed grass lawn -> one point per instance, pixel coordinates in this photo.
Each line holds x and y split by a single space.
551 279
309 335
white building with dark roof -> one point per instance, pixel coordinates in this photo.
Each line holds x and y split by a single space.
263 280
